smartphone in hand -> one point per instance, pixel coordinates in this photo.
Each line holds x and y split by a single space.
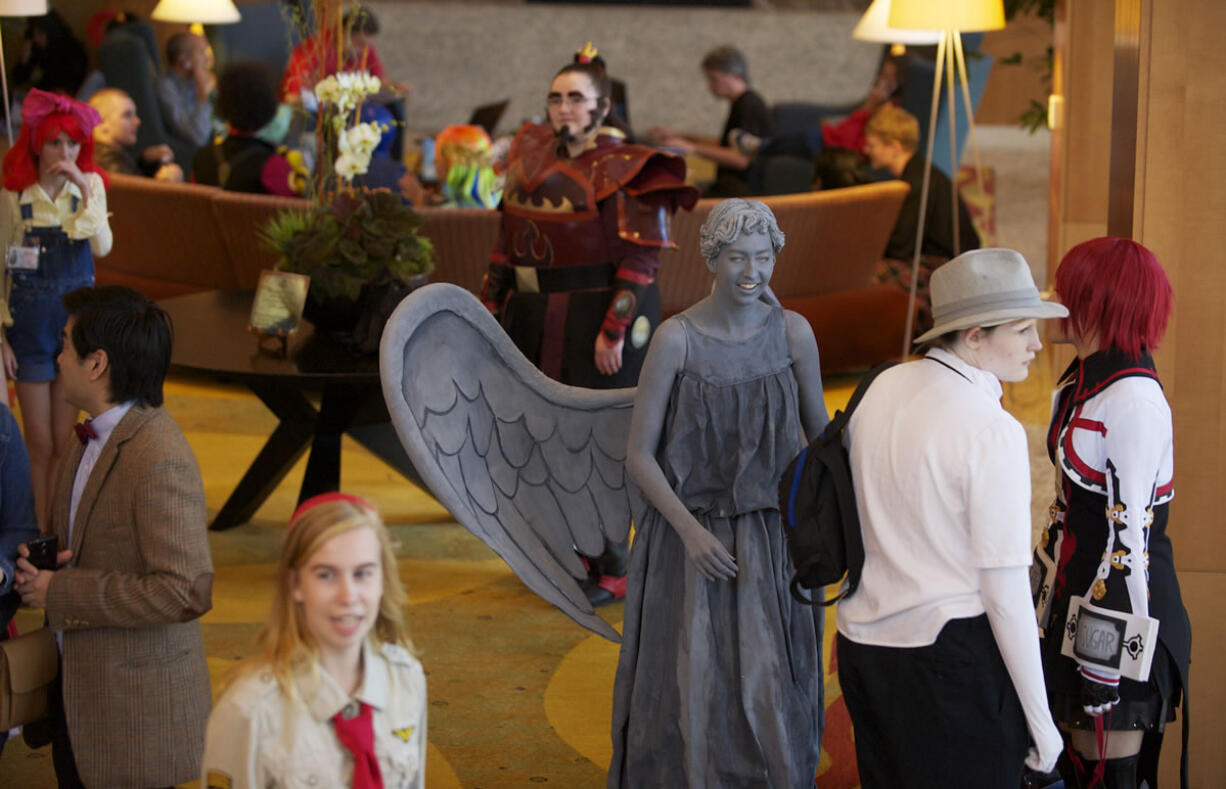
42 552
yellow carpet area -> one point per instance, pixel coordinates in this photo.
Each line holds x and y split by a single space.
518 694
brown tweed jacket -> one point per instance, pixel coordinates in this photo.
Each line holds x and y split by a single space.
136 685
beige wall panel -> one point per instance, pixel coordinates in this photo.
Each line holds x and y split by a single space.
1180 203
1088 110
1010 88
1179 215
1202 594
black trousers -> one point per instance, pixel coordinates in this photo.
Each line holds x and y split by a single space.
940 716
65 763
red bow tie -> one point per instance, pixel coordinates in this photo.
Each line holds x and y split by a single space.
85 431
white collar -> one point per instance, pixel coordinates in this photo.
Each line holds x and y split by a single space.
35 192
327 698
980 378
105 423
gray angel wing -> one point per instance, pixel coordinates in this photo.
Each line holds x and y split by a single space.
532 467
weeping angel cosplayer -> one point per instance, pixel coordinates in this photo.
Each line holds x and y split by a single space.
719 677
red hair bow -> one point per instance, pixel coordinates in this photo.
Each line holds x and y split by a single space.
39 104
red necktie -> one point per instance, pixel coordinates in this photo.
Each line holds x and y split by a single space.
85 431
358 735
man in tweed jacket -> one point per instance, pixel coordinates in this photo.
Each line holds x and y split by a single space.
135 575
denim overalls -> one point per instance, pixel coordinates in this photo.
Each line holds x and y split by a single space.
36 301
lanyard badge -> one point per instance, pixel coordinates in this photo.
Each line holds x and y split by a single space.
22 258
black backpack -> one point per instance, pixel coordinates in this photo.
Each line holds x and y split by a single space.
818 504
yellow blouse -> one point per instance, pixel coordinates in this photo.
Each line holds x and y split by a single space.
89 221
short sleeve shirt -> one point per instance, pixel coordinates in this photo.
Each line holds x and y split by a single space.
942 478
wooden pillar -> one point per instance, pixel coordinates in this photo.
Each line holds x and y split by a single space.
1164 173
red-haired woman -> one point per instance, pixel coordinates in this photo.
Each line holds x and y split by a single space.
52 222
1106 555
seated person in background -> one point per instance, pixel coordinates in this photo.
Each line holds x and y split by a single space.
890 140
847 133
246 100
315 58
463 160
117 132
382 172
837 167
51 58
335 696
727 76
183 90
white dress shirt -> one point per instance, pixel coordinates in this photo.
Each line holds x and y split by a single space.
103 425
942 478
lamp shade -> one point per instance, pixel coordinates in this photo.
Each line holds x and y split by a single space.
875 26
23 7
963 15
209 12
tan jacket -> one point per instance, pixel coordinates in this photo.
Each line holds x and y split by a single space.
258 738
136 685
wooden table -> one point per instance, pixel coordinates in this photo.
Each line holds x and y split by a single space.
211 337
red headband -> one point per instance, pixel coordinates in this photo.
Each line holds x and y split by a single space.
39 104
324 498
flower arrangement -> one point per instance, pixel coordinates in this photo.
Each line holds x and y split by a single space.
350 237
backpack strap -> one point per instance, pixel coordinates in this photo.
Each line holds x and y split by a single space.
844 416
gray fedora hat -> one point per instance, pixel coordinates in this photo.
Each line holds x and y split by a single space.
985 287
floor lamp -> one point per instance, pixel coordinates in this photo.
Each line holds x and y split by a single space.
951 18
15 8
196 12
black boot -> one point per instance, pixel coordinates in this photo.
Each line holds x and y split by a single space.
607 581
1117 773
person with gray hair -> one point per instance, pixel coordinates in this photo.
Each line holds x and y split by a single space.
727 75
719 680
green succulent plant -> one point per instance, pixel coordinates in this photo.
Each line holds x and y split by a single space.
347 243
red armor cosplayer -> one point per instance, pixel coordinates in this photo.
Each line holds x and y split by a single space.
584 217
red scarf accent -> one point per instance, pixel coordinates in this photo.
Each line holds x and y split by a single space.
358 735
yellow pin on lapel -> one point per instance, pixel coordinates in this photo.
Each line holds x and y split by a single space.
405 733
216 779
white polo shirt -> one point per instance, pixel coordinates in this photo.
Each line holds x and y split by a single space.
942 478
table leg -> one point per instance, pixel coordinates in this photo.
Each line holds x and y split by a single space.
336 411
372 428
279 454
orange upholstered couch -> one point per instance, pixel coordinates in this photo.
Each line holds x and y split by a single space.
172 239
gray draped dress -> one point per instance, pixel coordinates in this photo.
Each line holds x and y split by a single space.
719 683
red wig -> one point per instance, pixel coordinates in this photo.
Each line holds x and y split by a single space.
1117 293
21 162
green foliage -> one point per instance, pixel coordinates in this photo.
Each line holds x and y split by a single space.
1035 116
1043 9
345 244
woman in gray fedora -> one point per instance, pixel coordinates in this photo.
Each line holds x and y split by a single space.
938 652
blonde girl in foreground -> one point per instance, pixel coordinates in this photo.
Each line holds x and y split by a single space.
335 698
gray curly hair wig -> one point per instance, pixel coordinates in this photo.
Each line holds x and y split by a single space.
730 219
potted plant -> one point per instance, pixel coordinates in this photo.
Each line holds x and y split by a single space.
354 243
